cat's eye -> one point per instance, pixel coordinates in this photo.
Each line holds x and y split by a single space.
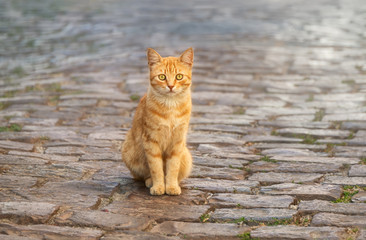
162 77
179 76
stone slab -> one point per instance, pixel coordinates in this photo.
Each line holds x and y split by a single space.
137 235
50 232
25 212
338 220
217 173
13 145
272 177
331 160
304 192
316 206
251 201
103 220
297 232
340 180
202 230
256 214
357 171
294 167
220 185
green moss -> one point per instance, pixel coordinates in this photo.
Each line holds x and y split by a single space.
348 193
135 97
19 71
310 98
4 105
11 128
349 82
363 161
351 135
239 111
268 159
319 115
276 222
308 139
240 168
204 217
246 236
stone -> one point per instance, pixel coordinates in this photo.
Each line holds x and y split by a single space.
315 132
359 197
20 160
219 162
294 167
217 173
272 177
137 235
297 232
340 180
12 237
316 206
27 212
201 138
158 211
39 157
361 234
288 152
338 220
199 230
12 145
220 185
103 220
357 171
309 159
65 150
78 193
304 192
50 232
16 182
106 135
251 201
256 214
106 156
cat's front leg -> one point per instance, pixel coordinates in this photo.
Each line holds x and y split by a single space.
155 162
172 171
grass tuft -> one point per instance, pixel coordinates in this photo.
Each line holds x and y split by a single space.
11 128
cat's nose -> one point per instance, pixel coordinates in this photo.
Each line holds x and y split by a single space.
170 87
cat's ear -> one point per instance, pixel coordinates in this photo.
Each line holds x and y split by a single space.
187 57
152 57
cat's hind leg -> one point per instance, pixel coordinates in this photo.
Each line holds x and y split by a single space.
185 165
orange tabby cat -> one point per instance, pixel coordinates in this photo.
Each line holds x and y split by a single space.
155 148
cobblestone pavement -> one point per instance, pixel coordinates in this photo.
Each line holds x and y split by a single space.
278 131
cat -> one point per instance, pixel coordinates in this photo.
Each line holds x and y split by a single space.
155 147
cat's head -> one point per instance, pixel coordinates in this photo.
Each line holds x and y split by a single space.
170 76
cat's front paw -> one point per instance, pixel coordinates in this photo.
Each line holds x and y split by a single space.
173 190
157 190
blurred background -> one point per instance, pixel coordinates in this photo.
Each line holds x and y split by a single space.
249 37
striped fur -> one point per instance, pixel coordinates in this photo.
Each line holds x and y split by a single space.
155 148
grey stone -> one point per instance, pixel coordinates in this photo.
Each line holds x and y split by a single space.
109 156
219 162
256 214
273 177
200 138
304 192
340 180
202 230
16 182
104 220
330 160
158 211
297 232
338 220
217 173
12 145
65 150
359 197
24 212
105 135
316 206
137 235
315 132
40 157
357 171
50 232
294 167
20 160
288 152
220 185
251 201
